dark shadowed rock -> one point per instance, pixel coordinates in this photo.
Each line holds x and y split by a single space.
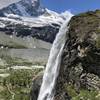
46 33
36 86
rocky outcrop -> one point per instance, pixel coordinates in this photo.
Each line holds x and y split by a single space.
79 77
36 86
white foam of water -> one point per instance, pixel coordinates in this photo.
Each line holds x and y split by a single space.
53 65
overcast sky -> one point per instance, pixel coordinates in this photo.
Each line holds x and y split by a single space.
4 3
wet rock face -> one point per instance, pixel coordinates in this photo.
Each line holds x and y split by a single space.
80 65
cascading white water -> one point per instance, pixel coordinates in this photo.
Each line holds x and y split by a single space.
53 65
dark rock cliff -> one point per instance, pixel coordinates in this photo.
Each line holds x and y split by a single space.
46 33
79 77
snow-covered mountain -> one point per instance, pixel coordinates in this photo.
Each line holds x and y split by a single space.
28 18
24 8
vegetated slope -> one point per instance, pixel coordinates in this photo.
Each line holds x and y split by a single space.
79 76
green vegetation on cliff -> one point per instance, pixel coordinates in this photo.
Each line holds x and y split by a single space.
79 77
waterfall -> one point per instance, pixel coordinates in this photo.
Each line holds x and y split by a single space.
53 65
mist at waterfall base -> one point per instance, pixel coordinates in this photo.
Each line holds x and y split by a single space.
53 65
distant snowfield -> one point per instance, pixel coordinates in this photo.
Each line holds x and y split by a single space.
39 21
4 3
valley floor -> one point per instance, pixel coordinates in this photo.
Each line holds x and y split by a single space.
18 67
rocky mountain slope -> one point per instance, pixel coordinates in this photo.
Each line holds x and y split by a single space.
28 18
24 8
79 77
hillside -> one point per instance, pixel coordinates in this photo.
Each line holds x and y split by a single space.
80 68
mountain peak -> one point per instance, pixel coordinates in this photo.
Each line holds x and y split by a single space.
24 8
31 2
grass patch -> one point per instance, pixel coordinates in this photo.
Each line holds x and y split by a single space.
15 61
83 93
18 84
15 45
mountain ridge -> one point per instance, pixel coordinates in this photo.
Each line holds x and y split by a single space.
23 8
35 21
